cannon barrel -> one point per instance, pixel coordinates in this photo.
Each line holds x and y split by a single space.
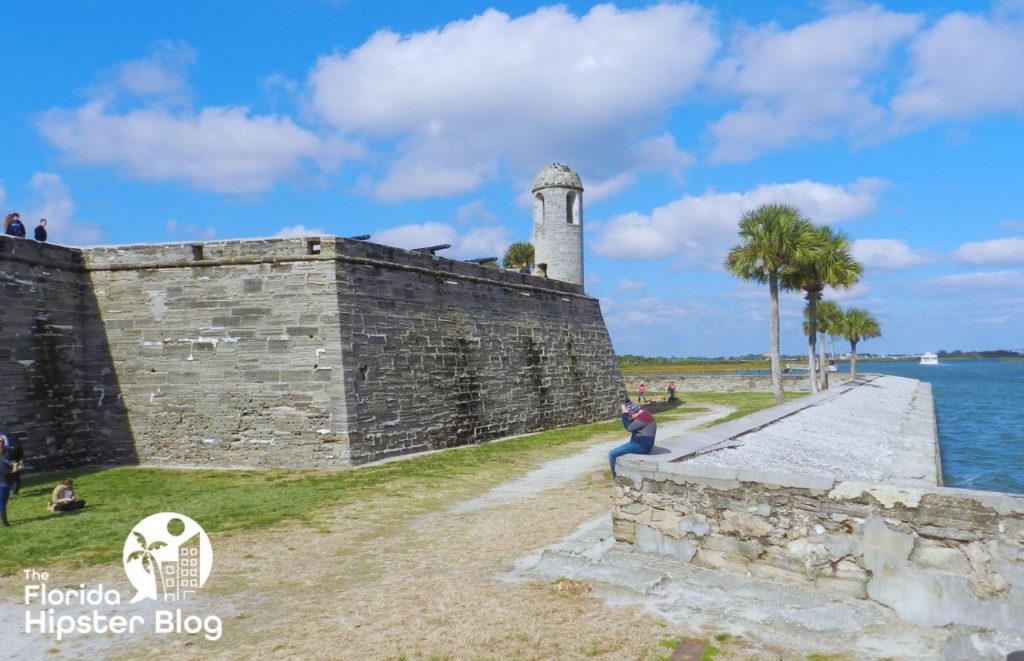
433 249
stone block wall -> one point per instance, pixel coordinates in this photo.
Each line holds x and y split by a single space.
441 353
306 352
934 555
227 353
59 398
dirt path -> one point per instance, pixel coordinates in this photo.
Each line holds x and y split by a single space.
394 578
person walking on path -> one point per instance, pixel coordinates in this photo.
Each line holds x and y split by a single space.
642 428
641 393
41 230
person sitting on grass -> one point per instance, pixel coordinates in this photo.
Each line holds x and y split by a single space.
64 499
642 427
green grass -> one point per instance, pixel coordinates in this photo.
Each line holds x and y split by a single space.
696 367
744 403
118 498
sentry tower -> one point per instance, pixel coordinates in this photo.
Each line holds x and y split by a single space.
558 223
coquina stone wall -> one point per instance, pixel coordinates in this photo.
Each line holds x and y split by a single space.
306 352
934 555
59 396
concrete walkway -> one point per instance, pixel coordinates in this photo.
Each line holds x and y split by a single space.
848 432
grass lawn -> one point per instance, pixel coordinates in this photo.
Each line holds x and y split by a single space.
118 498
697 367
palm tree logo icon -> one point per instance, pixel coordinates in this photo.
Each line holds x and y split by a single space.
167 557
147 554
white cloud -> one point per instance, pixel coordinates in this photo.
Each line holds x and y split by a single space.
699 230
887 254
477 96
138 120
965 66
628 285
474 212
807 84
479 242
642 313
52 201
858 292
220 149
416 236
996 251
299 230
191 231
1012 225
161 76
967 282
483 242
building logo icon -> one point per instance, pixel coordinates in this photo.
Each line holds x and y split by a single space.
167 557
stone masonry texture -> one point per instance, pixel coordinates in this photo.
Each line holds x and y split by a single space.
312 352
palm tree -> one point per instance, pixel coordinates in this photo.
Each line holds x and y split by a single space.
829 315
828 263
773 237
857 325
517 255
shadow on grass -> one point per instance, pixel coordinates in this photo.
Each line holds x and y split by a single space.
662 407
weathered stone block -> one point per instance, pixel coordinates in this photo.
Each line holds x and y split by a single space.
744 525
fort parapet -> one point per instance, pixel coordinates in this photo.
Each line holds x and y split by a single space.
311 352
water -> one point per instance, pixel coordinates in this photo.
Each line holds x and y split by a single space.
979 405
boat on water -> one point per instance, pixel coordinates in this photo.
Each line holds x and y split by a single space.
928 358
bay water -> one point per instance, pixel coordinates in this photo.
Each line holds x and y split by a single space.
979 406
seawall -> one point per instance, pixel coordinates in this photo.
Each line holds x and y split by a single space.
311 352
840 490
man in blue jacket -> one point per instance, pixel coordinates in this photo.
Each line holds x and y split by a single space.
642 427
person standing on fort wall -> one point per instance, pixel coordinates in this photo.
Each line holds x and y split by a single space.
41 230
13 226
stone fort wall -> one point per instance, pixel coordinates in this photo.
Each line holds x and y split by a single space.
306 352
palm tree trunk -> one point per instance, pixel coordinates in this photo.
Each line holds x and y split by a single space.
776 352
812 336
823 364
853 360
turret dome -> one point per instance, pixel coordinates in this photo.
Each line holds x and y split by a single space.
557 174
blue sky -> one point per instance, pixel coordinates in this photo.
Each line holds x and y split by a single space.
423 123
